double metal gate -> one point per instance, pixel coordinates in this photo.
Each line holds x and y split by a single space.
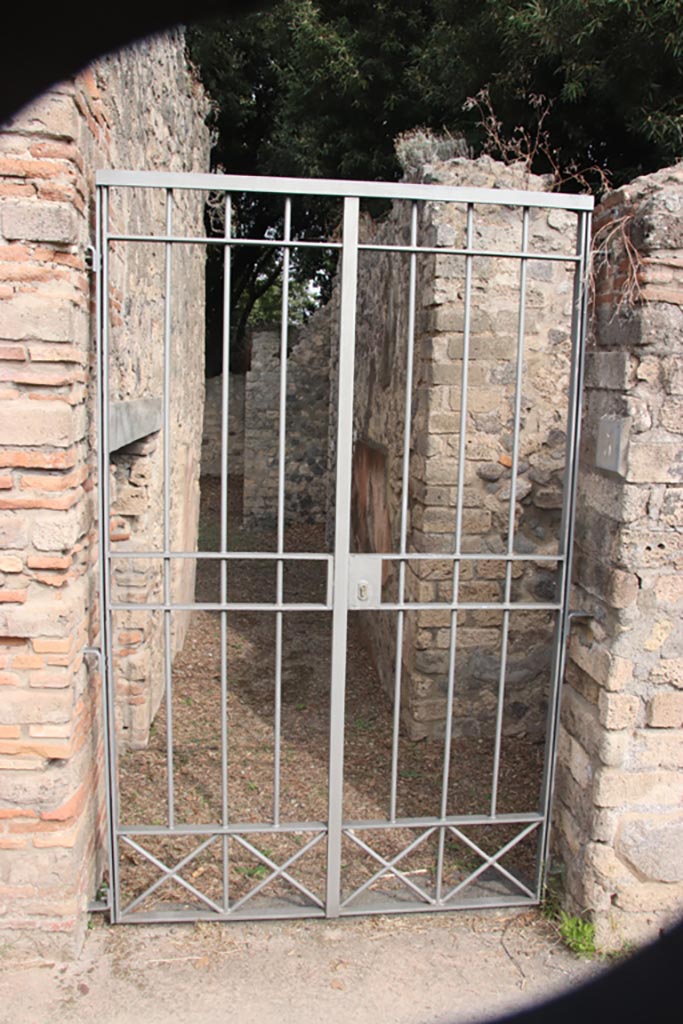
202 826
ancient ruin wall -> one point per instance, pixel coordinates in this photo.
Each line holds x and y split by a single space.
142 109
307 416
619 793
380 384
213 421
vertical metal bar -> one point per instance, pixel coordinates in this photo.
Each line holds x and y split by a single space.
282 445
342 528
521 326
566 540
168 666
225 434
410 349
462 452
108 682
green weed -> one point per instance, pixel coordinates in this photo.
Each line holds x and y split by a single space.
577 934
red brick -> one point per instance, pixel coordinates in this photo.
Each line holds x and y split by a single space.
50 680
23 459
133 636
49 562
45 374
21 167
11 188
57 504
5 483
56 354
13 843
13 352
71 808
59 150
119 529
53 579
23 661
57 482
38 748
9 732
52 645
26 272
17 812
12 596
63 839
655 293
14 252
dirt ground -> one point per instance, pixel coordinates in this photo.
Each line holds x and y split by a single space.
425 969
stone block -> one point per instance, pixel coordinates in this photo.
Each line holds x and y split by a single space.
653 846
668 670
36 317
669 589
658 635
657 748
671 511
618 710
53 114
23 707
617 788
59 531
13 531
665 711
671 415
615 371
654 462
671 368
38 221
647 898
23 422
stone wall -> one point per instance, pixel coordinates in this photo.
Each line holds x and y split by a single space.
490 406
211 435
619 793
307 415
142 109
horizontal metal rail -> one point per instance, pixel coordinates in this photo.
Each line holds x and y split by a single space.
338 188
522 818
276 243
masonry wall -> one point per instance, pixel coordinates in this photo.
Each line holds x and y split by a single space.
211 435
307 416
435 428
141 109
619 794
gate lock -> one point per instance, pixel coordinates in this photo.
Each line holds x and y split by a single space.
365 581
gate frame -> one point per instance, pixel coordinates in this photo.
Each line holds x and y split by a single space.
351 192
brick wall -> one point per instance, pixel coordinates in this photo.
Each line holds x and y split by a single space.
117 113
619 788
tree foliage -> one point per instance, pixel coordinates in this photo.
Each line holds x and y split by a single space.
324 87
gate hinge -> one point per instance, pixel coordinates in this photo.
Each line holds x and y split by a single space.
93 260
579 614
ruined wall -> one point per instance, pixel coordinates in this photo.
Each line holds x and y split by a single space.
142 109
619 788
136 371
211 435
307 415
436 400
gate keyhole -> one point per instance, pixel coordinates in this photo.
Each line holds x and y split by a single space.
363 590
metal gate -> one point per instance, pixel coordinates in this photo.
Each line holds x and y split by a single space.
202 826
